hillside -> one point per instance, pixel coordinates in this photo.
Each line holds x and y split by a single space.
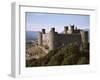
67 55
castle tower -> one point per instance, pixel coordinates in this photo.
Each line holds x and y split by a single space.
72 27
43 31
65 29
84 36
51 38
40 38
71 30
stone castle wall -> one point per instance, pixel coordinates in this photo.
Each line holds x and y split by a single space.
54 40
45 39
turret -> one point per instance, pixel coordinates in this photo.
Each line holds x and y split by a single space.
43 31
72 27
71 30
65 29
40 38
84 36
52 30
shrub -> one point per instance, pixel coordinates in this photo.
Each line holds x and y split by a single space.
86 46
28 62
83 60
70 60
67 55
56 59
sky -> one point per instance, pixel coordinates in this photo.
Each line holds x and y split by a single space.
38 21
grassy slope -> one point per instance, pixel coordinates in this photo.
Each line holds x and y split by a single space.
67 55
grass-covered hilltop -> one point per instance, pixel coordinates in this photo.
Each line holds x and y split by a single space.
71 54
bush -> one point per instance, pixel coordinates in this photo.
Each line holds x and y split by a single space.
83 60
73 49
28 62
68 60
86 46
56 59
67 55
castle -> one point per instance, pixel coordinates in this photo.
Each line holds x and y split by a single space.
53 39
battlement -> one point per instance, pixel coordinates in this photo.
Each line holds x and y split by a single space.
67 30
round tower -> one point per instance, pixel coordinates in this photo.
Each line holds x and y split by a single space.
84 36
40 38
51 39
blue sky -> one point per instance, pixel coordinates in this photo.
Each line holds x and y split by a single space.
37 21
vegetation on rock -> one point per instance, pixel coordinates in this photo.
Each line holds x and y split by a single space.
67 55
